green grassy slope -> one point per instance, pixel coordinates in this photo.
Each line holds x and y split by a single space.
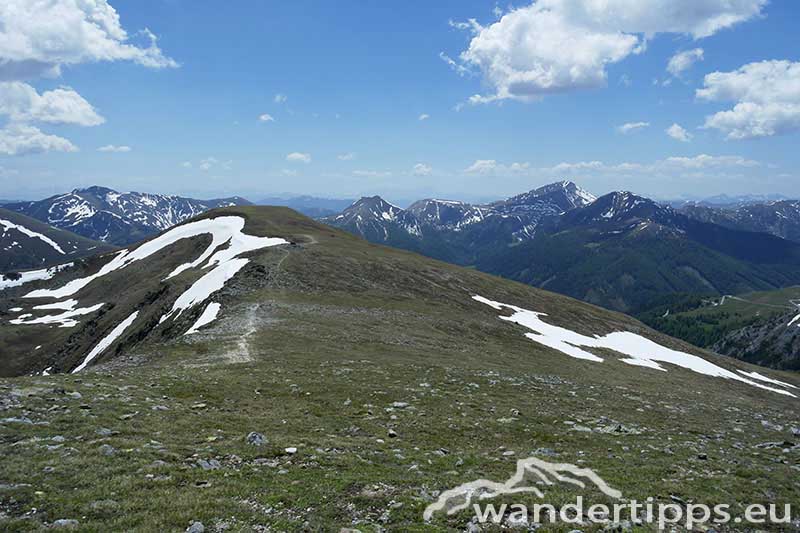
315 344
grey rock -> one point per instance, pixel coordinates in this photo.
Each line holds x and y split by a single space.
104 432
107 449
392 433
211 464
196 527
75 395
16 420
256 439
66 523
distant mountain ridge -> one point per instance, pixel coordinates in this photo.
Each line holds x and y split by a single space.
452 230
105 215
620 251
311 206
780 218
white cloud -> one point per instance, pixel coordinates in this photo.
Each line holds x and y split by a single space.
670 167
266 117
349 156
630 127
767 96
21 103
554 46
372 173
280 98
421 169
298 157
289 172
211 163
114 149
683 61
21 139
186 164
424 116
481 166
38 38
679 133
492 167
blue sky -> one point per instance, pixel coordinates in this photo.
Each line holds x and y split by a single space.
362 94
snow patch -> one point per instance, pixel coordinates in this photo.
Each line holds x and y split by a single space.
107 341
762 377
8 225
640 351
63 320
209 315
32 275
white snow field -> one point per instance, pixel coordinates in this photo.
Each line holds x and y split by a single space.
220 260
209 315
32 275
222 230
794 321
8 225
107 341
63 320
640 351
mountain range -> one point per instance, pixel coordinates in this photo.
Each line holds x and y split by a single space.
620 251
780 218
454 231
115 218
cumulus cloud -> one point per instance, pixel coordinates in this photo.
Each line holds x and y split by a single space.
630 127
492 167
298 157
421 169
424 116
677 132
114 149
766 96
21 139
683 61
555 46
21 103
38 38
266 117
349 156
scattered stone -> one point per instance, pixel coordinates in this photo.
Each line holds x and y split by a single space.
796 431
58 438
349 530
199 406
107 449
160 408
256 439
400 405
16 420
66 523
104 432
392 434
702 456
75 395
291 450
211 464
196 527
128 416
509 453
